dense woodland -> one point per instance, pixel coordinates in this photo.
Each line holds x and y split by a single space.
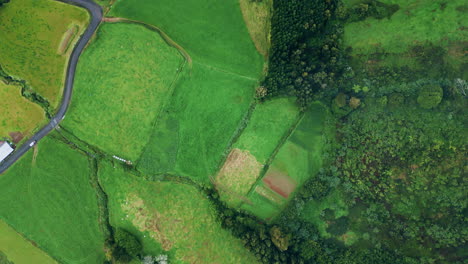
398 156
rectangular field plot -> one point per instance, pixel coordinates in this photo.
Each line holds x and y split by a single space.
123 80
298 159
47 196
19 115
269 124
194 130
19 250
213 32
31 33
170 218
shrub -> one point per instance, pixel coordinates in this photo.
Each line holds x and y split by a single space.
430 96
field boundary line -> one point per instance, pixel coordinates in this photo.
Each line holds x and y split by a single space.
283 140
164 106
166 37
30 241
226 71
237 133
27 92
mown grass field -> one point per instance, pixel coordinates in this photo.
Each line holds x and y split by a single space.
18 249
31 32
298 159
18 113
196 127
172 217
50 201
212 32
122 82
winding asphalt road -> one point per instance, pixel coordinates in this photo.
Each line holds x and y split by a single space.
95 12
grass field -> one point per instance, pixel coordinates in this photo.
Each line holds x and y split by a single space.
415 21
18 249
50 201
269 123
123 79
176 216
297 160
212 32
18 113
31 32
440 23
195 129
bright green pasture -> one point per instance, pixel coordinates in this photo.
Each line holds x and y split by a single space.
51 202
213 32
18 249
122 82
270 121
31 32
194 131
416 22
299 158
172 217
18 113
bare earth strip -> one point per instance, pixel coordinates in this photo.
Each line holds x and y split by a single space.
238 173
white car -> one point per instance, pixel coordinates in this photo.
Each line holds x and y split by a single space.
32 143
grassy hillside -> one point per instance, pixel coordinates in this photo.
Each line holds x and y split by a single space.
31 32
170 216
212 32
122 82
18 114
18 249
49 199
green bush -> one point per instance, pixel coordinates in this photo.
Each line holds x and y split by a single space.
128 242
430 96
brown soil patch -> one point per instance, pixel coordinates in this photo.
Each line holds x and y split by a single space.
257 18
239 172
280 183
16 136
67 38
146 220
458 49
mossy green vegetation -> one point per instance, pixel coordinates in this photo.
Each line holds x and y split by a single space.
31 33
19 250
123 81
169 217
212 32
47 196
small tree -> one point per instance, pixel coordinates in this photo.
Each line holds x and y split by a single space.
126 245
430 96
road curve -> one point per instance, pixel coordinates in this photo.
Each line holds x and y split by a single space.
95 12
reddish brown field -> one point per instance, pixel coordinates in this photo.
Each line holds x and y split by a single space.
280 183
